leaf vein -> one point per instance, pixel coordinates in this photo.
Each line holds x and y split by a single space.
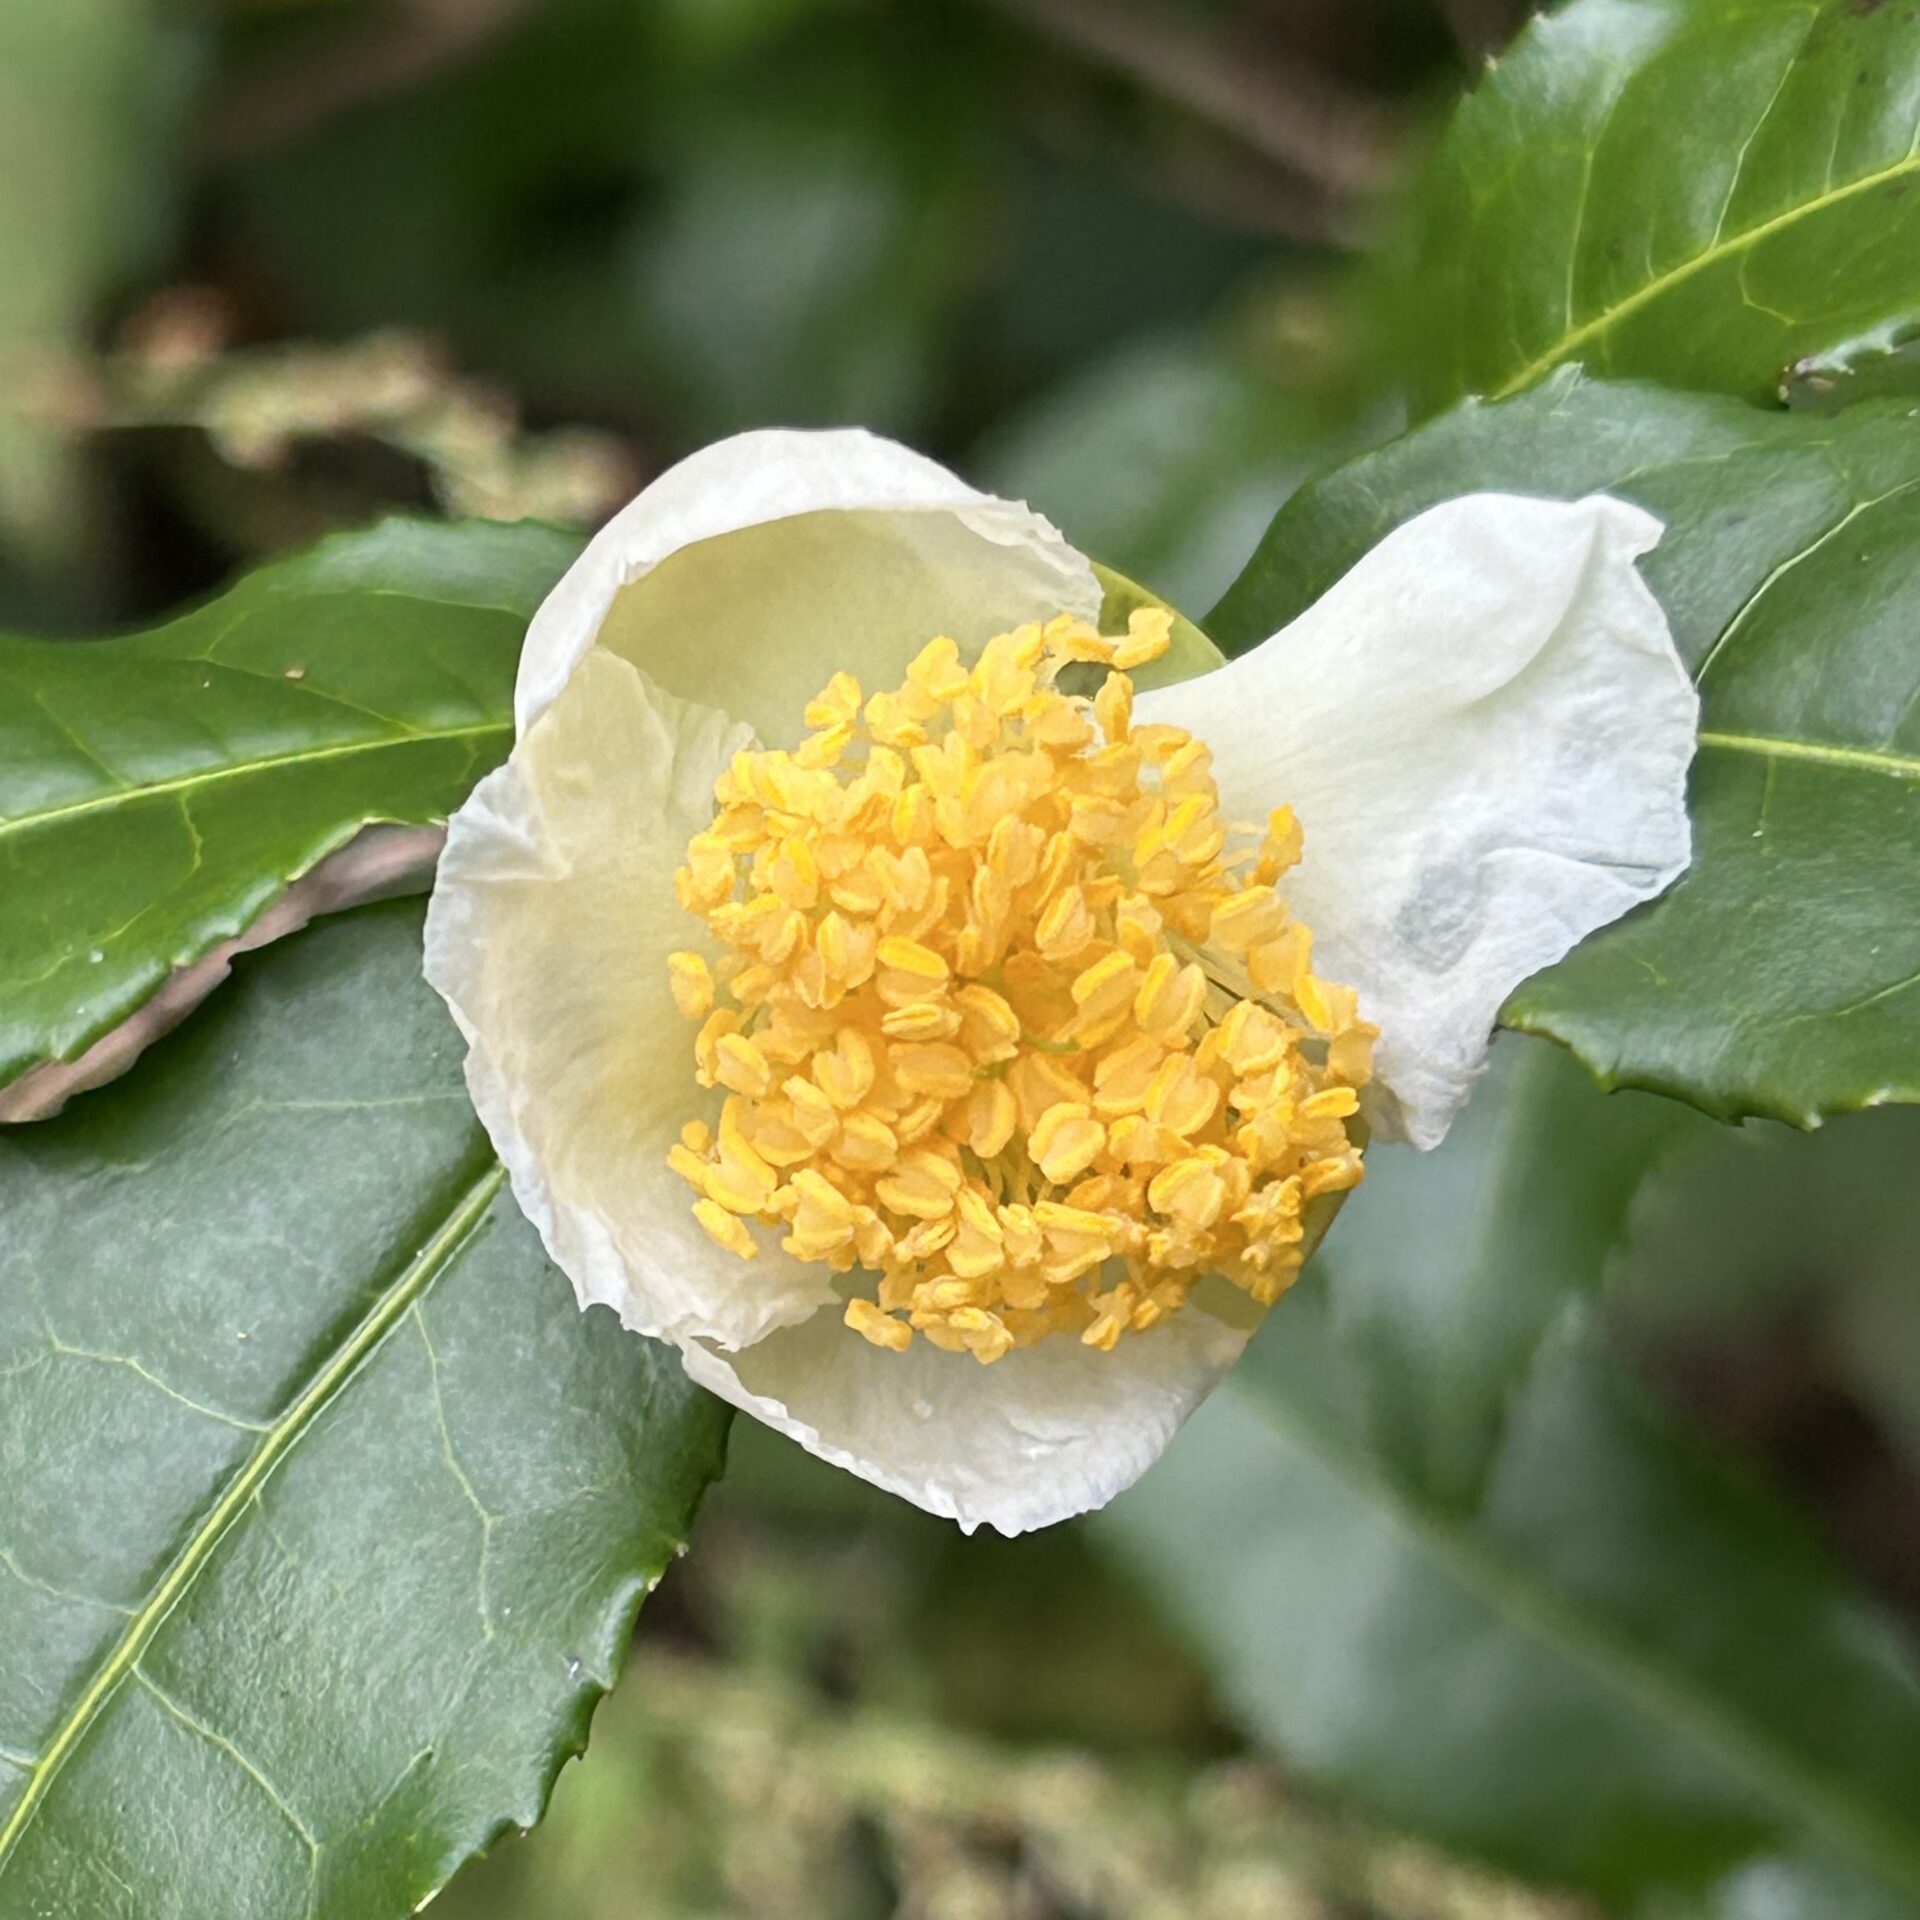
274 1445
1576 337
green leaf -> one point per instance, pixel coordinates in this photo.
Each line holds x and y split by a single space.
1781 975
325 1512
1608 1659
1447 1337
158 791
1167 457
1699 191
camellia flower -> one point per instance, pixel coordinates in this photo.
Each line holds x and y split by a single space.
948 1025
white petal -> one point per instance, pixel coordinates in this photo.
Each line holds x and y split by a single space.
1044 1433
750 572
548 935
1485 730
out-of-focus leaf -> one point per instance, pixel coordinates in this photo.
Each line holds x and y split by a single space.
1781 975
325 1512
1700 191
1617 1662
1451 1268
1167 458
89 96
158 791
765 215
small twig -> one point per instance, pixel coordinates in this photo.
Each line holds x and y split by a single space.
1344 141
1481 27
349 69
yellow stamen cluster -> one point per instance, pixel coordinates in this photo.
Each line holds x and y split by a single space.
1006 1031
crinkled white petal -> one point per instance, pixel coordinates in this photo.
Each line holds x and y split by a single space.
747 574
548 935
1044 1433
1485 730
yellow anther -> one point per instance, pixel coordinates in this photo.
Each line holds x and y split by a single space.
881 1328
990 1027
721 1022
1113 706
1190 1192
866 1143
1170 997
1181 1097
1105 987
921 1020
910 957
1280 849
836 705
742 1066
728 1228
1010 1037
934 1068
845 1072
692 982
1242 918
992 1116
1333 1103
794 879
740 1181
984 1334
936 670
1066 1142
1121 1079
1066 928
921 1184
1313 1002
1275 965
1149 634
820 1193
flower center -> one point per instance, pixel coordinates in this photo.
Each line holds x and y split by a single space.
1010 1036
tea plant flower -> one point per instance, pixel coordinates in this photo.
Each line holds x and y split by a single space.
951 1031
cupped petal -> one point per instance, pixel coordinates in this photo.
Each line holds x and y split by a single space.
1044 1433
548 936
749 573
1485 730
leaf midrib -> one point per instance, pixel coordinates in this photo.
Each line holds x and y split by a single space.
1573 338
134 793
274 1444
1800 1793
1888 766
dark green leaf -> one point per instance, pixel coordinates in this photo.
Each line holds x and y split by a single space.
157 791
1781 975
1607 1658
1700 191
1447 1336
1167 458
324 1511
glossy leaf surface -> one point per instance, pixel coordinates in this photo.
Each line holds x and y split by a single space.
1696 191
159 789
325 1512
1594 1652
1781 974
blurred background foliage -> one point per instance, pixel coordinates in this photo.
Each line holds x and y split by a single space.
274 266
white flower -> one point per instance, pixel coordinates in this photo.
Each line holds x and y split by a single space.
1484 731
